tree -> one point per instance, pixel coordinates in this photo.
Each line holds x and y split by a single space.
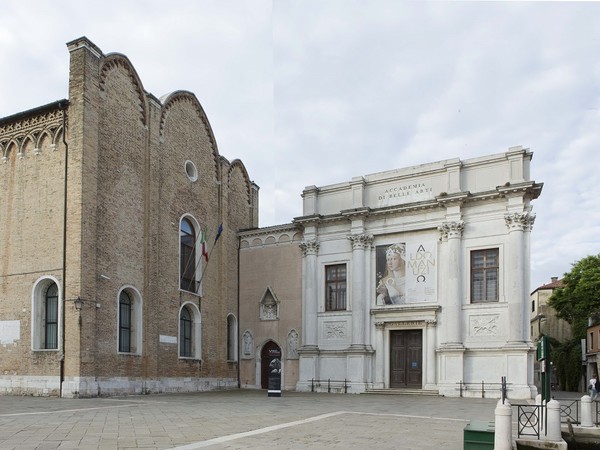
579 299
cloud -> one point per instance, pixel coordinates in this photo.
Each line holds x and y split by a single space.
319 91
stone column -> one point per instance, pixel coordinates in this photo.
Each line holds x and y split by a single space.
517 296
380 355
359 294
309 293
430 374
452 231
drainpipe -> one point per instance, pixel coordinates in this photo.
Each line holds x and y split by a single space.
237 322
62 105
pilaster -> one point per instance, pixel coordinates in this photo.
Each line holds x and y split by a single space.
359 294
517 296
451 232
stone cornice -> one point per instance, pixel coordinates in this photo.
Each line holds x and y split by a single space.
356 212
313 219
531 189
458 197
275 229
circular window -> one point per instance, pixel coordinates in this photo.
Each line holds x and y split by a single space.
191 171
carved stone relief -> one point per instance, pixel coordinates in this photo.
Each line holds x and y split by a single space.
248 340
485 325
269 306
334 330
292 344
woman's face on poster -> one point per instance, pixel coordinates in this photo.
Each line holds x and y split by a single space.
394 261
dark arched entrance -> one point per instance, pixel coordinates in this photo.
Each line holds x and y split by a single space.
266 353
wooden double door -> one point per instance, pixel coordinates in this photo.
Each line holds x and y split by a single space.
406 357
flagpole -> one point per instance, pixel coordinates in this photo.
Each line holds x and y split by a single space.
219 231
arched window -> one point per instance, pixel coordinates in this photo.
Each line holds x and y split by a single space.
51 318
46 314
189 331
231 338
129 321
188 256
185 331
124 322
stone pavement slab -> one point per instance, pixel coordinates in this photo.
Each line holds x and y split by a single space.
241 419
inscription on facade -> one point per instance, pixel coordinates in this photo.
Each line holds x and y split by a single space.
405 190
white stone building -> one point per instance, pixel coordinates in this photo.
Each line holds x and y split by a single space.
454 310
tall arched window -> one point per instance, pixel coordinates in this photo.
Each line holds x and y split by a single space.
190 331
187 263
45 314
125 305
185 333
51 317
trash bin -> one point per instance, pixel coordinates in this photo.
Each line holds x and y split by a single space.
479 436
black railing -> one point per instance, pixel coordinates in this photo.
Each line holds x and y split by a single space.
569 411
530 419
314 384
483 387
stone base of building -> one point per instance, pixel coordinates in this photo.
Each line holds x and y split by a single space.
29 385
83 387
106 387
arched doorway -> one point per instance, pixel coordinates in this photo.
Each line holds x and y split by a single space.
267 354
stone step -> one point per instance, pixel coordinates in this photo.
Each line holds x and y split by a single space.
429 392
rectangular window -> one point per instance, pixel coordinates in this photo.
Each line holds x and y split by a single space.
484 275
591 341
335 287
532 305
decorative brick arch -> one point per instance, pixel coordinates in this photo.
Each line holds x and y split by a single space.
114 60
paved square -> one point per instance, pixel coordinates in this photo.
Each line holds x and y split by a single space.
239 419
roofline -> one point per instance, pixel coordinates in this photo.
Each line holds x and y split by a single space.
58 104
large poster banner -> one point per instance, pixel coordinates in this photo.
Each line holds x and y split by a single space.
421 272
406 273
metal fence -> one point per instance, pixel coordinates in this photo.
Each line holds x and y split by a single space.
315 384
481 388
530 418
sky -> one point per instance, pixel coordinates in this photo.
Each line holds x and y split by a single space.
315 92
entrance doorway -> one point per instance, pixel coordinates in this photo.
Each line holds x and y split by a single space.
266 355
406 354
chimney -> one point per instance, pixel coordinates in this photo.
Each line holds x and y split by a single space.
554 279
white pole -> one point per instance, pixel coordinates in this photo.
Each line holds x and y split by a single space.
586 411
553 430
503 428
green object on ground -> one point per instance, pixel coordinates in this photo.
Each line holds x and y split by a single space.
479 436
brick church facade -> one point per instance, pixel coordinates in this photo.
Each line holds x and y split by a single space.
110 197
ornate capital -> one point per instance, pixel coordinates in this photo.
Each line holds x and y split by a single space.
309 247
431 322
361 240
519 221
380 325
452 230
